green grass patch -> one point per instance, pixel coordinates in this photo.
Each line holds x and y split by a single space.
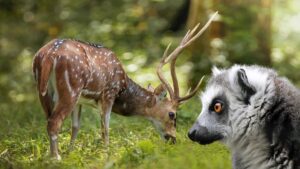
134 143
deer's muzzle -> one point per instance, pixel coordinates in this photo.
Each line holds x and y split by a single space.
170 138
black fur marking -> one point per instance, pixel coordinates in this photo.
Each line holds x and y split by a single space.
90 44
247 89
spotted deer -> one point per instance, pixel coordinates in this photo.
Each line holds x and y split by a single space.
67 70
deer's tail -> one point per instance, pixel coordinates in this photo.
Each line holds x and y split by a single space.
42 67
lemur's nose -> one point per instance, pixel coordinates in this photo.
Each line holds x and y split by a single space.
192 134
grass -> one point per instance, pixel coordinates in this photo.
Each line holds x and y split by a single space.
134 143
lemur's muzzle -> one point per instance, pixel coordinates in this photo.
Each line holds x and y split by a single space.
201 134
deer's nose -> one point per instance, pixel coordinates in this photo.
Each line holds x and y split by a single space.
171 138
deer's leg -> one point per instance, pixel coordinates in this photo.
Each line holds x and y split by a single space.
61 110
106 106
75 123
47 104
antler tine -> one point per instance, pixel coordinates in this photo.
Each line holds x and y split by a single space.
161 76
174 78
173 72
194 91
186 36
202 30
189 38
166 54
189 34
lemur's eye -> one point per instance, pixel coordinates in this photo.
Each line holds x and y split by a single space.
218 107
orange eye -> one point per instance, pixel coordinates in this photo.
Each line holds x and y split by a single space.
218 107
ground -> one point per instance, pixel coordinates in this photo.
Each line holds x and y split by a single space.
134 143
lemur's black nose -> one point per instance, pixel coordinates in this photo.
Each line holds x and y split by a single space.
192 134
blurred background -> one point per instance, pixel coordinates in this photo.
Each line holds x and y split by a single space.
260 32
263 32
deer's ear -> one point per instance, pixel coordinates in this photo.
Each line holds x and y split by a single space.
160 92
150 88
151 101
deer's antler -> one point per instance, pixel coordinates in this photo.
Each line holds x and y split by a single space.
189 38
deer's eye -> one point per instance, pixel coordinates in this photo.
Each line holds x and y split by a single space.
172 115
218 107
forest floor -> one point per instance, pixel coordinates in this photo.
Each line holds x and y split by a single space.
134 143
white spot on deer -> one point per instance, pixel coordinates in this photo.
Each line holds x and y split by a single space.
123 81
76 57
81 61
54 137
67 80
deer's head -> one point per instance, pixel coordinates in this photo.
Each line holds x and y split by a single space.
162 108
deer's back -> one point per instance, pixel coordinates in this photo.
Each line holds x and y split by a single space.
82 67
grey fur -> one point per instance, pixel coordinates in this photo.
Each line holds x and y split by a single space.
260 121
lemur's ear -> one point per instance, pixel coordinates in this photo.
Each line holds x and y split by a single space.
247 89
215 71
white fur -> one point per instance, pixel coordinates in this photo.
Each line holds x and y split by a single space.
215 71
67 80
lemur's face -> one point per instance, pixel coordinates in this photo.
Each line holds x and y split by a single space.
226 92
212 123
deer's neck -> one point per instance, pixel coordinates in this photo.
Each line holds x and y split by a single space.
133 100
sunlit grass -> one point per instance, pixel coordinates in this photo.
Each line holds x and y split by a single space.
133 143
